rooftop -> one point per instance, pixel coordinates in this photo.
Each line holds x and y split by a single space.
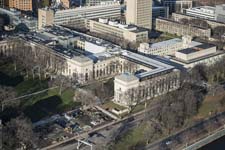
196 48
157 66
127 77
204 8
81 59
172 42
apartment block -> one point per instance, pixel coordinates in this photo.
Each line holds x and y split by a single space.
45 18
139 12
25 5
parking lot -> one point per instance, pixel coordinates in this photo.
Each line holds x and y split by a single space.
62 126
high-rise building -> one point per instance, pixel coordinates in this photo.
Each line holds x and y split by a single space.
139 12
25 5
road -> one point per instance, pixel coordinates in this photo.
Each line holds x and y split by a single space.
132 119
188 136
174 141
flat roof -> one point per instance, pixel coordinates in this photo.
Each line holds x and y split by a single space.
196 48
172 42
150 62
127 77
198 59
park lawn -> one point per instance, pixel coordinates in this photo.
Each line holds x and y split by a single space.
30 86
211 105
131 138
50 104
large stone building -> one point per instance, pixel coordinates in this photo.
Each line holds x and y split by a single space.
25 5
139 12
118 31
77 17
60 56
156 79
173 27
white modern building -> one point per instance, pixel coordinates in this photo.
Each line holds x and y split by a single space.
168 47
201 54
205 12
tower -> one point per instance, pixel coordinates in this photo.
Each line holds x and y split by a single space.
139 12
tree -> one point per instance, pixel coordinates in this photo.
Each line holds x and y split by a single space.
61 81
218 32
152 131
85 97
6 95
18 134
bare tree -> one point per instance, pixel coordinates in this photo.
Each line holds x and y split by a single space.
18 134
6 95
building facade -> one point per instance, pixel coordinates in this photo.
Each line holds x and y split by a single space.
25 5
205 12
160 11
177 5
152 77
173 27
139 12
212 23
220 13
118 31
129 90
202 54
77 17
168 47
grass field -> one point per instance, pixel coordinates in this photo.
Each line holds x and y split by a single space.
131 138
211 105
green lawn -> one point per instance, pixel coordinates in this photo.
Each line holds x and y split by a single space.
211 104
111 105
131 138
49 104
